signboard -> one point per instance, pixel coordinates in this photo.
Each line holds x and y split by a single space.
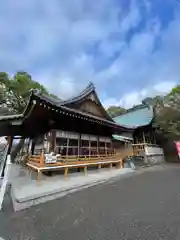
178 147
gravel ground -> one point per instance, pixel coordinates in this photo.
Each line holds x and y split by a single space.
142 206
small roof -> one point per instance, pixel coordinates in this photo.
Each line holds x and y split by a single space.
136 117
122 138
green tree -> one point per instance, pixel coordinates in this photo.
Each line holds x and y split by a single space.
168 114
154 101
14 94
115 111
15 91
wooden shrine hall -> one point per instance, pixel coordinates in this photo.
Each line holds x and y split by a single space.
62 134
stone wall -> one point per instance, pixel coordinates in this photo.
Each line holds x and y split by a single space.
154 155
154 159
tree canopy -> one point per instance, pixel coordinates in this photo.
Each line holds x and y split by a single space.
14 92
115 111
168 114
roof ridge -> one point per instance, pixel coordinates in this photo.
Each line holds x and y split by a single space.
90 87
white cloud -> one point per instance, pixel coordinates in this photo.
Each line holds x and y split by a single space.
145 69
50 40
135 97
59 32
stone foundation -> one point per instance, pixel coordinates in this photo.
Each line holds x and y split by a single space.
154 159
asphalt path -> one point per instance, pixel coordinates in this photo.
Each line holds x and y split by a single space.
143 206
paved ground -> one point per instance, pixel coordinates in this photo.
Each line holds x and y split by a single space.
143 206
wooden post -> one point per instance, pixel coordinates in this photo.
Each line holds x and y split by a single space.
52 140
144 139
41 164
10 142
67 147
154 137
85 170
112 153
89 147
98 145
78 146
39 175
121 163
28 145
105 147
66 172
110 165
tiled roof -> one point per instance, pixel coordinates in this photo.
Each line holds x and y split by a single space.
81 95
141 116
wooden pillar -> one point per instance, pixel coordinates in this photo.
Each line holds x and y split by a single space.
154 137
148 139
28 145
112 147
85 170
39 176
33 146
42 159
66 172
89 147
10 142
79 141
67 147
52 140
97 145
105 147
144 139
78 145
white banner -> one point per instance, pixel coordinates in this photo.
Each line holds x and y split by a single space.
150 150
65 134
104 139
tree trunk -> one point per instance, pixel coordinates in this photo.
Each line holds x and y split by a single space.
17 149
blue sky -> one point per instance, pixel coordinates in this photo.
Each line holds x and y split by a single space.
129 49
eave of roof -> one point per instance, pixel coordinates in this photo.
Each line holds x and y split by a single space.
14 124
122 138
62 107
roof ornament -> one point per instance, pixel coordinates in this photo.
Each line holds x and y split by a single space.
91 85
